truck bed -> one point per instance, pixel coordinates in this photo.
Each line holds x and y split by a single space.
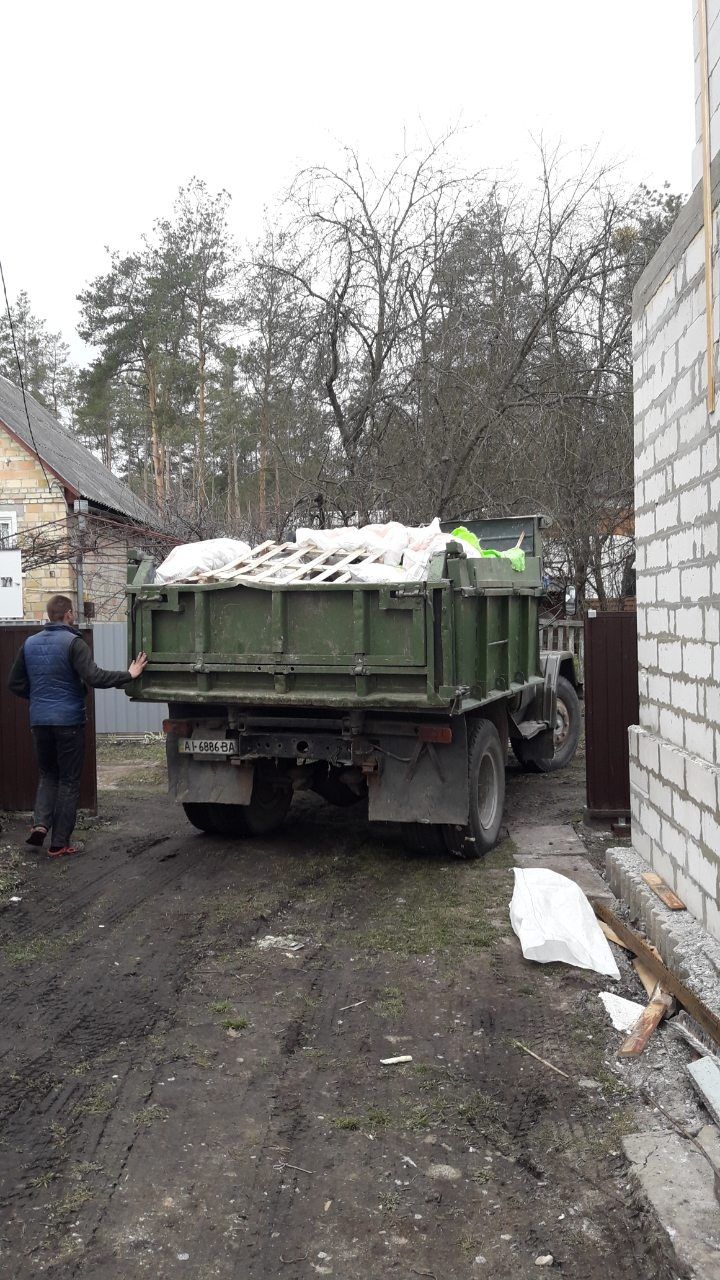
466 636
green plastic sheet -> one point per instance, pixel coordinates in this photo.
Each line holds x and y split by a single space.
515 555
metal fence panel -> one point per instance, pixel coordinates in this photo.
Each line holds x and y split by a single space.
611 706
114 712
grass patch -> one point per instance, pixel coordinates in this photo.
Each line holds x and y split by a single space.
425 905
42 1180
220 1006
58 1133
150 1115
314 1053
128 751
22 953
378 1119
74 1201
351 1123
198 1054
235 1024
234 906
11 873
390 1003
609 1138
96 1102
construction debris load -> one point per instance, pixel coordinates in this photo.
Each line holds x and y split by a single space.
390 552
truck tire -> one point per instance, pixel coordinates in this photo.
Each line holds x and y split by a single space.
567 725
267 810
215 819
486 778
486 775
566 734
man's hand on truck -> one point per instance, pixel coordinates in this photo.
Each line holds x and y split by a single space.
137 667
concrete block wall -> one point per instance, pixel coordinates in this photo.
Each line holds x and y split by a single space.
675 749
24 490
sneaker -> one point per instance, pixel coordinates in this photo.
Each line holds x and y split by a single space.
36 836
64 850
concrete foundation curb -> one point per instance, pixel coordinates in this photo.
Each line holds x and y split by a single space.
684 945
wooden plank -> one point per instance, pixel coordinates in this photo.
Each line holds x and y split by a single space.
663 891
610 934
658 1008
647 978
705 1075
634 942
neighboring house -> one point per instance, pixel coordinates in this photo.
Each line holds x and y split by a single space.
675 750
71 517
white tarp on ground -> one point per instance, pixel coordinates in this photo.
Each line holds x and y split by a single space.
190 558
554 921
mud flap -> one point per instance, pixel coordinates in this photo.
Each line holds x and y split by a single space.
208 781
421 781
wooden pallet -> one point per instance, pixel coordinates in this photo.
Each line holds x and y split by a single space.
284 563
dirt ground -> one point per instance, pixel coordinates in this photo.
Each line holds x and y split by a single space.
177 1101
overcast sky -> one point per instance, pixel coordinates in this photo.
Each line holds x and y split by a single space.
109 107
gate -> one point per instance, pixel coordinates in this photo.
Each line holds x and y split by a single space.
611 706
18 770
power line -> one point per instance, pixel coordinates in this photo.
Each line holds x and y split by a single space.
22 380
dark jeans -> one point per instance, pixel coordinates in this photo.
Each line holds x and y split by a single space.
60 751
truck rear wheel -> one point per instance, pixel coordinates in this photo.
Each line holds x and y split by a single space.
267 810
215 819
566 733
486 778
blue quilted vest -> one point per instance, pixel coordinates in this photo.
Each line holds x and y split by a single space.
57 694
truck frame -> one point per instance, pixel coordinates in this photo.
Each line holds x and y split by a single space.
408 694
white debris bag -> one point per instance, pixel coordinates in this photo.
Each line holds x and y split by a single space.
190 558
623 1013
554 921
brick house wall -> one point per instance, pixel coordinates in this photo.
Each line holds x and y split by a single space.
24 490
675 749
105 574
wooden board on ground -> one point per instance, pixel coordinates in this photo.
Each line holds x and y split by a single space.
658 1008
663 891
610 934
639 946
647 978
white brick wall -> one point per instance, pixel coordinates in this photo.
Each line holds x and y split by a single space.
675 751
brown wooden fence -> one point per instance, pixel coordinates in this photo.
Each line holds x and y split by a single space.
611 706
18 770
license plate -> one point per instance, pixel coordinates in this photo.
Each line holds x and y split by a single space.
207 747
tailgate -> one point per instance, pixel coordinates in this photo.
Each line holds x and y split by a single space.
285 644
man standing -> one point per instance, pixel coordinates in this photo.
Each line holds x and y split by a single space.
52 671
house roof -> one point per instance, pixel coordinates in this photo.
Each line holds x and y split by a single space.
78 469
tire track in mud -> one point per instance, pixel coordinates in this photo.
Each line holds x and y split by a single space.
85 1017
197 1123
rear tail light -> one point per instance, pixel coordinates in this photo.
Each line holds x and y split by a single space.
179 728
435 733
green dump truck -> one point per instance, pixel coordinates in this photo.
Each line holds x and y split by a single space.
407 694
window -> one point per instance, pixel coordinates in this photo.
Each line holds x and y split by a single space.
8 527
